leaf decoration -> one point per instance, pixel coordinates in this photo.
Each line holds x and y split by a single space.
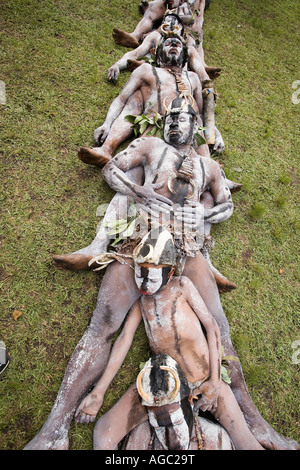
121 228
224 366
140 124
225 375
150 60
198 137
195 36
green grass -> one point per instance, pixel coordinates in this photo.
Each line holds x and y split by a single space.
53 60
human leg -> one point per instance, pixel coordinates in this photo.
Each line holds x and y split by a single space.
117 209
153 13
232 419
198 270
119 132
224 285
117 294
126 414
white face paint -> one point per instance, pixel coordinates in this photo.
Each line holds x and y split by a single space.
172 52
178 425
148 279
178 128
164 409
171 23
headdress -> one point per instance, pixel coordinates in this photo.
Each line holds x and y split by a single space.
157 247
176 28
183 104
162 382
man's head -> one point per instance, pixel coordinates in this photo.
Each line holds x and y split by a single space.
171 51
172 23
171 4
180 123
154 261
165 392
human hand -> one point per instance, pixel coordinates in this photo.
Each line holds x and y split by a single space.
100 134
152 202
219 143
186 14
113 73
191 214
89 407
209 396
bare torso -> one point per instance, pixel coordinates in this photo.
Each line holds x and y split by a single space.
158 85
164 162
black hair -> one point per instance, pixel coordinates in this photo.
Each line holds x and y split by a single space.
159 377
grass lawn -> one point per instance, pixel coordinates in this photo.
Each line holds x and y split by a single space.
53 60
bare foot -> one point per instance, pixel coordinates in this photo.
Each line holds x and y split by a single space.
124 39
224 285
88 409
134 64
213 72
235 187
72 262
91 157
270 439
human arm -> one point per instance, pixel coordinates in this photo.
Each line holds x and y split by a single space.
136 80
137 154
219 145
223 208
90 405
149 42
210 388
191 214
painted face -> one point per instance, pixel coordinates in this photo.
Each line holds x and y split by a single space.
149 278
170 426
172 52
171 23
165 392
178 128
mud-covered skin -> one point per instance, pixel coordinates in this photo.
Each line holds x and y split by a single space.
159 161
147 91
149 45
140 154
155 13
157 85
174 317
117 294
